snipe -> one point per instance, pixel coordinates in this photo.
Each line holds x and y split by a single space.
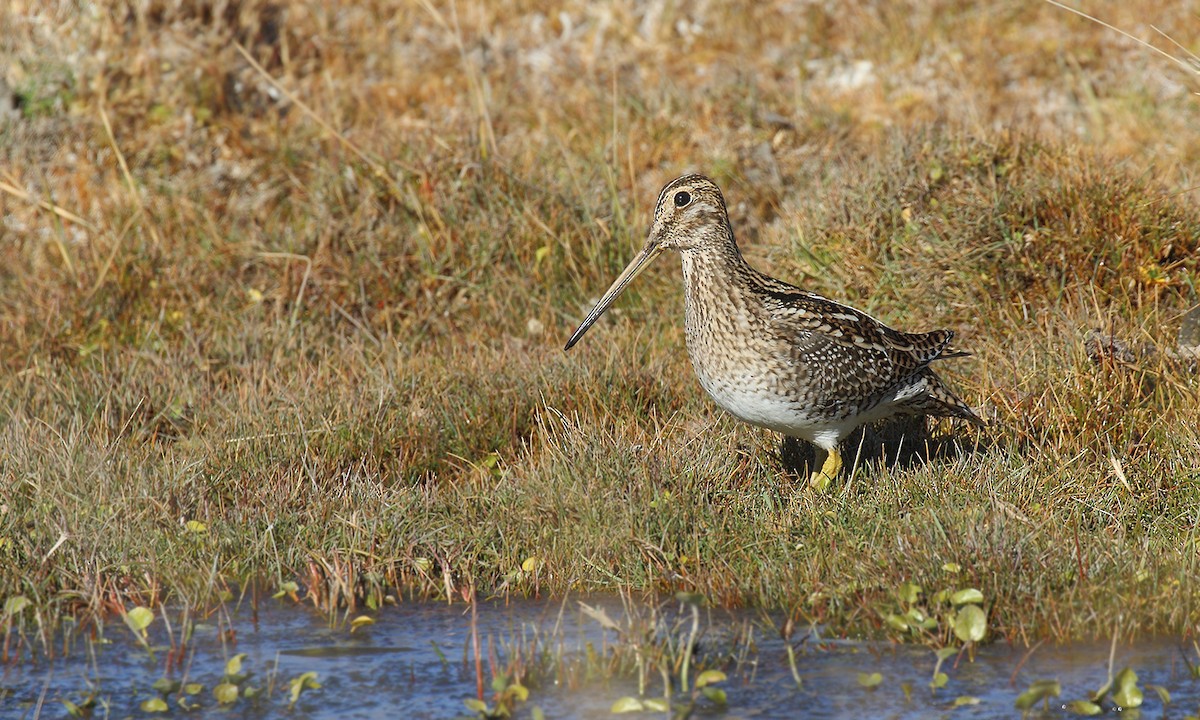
774 355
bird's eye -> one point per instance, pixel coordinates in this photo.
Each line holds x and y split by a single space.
682 198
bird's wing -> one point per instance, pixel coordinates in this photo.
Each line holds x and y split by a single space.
855 352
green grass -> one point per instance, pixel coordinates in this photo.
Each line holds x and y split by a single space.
357 381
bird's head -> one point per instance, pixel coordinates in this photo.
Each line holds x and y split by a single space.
690 215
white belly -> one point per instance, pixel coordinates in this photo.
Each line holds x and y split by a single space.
751 399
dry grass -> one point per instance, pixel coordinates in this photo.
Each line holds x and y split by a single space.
341 353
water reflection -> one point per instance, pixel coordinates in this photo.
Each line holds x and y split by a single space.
417 661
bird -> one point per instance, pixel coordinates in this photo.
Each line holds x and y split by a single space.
774 355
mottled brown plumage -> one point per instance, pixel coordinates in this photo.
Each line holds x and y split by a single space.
777 356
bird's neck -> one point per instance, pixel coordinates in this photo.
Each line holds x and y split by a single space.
715 269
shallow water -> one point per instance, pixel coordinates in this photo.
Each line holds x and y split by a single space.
392 668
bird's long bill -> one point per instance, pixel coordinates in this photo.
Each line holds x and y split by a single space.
627 275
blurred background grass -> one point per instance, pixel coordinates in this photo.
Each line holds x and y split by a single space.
317 306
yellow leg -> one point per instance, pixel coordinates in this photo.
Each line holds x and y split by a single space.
829 470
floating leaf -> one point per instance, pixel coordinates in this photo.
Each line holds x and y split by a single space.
360 621
15 604
628 705
962 700
939 680
1127 694
288 588
969 595
225 693
476 705
193 688
139 619
657 705
154 705
869 680
717 695
1038 691
708 677
300 683
234 665
1083 707
970 625
165 686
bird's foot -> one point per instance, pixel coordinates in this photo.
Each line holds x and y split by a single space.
820 479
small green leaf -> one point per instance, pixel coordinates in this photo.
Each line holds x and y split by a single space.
1038 691
709 677
717 695
909 592
518 691
536 713
1128 694
962 700
1083 707
196 526
165 686
225 693
300 683
476 705
969 595
970 625
945 653
154 705
15 604
288 588
139 619
939 680
531 564
1163 695
234 665
361 621
657 705
896 622
869 680
627 705
193 688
